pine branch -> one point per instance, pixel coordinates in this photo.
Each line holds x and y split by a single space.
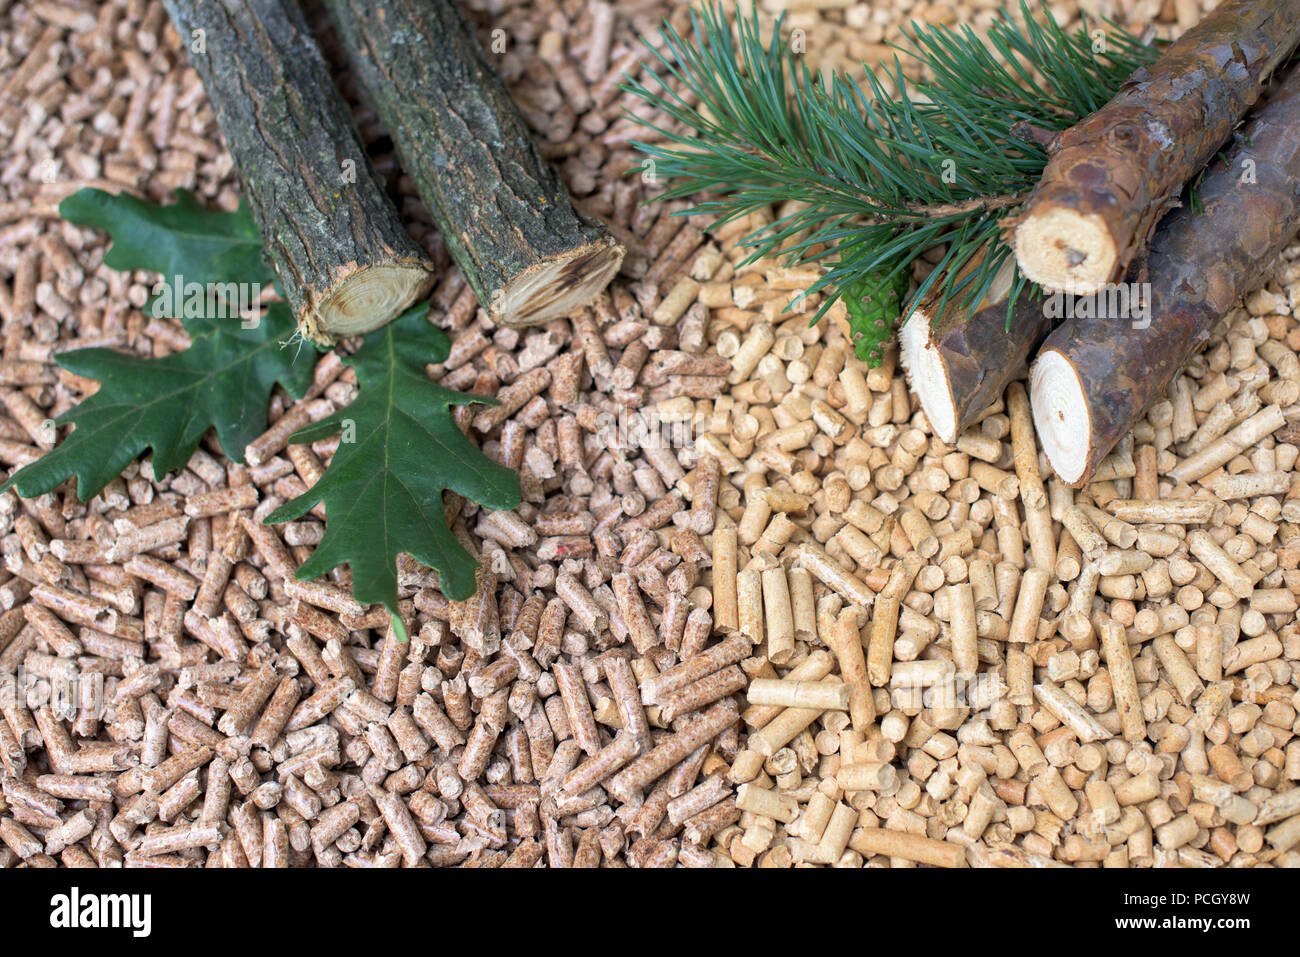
881 178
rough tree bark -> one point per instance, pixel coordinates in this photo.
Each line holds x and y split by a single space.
336 241
1095 376
504 213
1111 177
959 362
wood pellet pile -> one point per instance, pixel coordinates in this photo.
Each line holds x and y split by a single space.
751 611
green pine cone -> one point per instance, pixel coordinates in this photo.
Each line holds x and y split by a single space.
874 304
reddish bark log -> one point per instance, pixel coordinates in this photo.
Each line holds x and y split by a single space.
1095 376
1111 177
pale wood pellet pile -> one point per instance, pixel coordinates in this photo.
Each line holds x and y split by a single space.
799 631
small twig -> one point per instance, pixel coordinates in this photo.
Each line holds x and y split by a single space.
976 204
1034 134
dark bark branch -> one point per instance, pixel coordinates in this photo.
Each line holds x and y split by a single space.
504 213
337 243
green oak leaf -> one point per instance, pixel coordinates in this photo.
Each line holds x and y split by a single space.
874 303
383 488
181 239
223 380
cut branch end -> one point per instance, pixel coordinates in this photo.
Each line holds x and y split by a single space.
1064 249
925 366
366 300
557 285
1061 414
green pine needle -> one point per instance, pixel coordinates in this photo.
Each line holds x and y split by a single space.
881 178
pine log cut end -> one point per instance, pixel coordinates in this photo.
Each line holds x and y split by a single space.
1065 249
925 367
557 285
958 361
1061 415
365 299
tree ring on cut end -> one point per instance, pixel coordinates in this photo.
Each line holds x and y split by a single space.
1061 414
557 285
367 299
1064 250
